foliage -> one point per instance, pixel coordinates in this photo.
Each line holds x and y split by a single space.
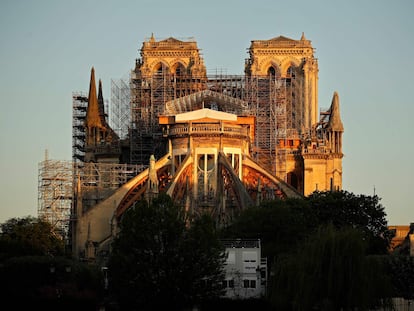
343 209
204 255
161 258
401 269
226 304
279 224
35 274
322 250
28 236
330 271
56 283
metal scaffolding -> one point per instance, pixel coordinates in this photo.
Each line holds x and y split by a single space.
79 107
148 97
55 182
276 103
120 113
100 180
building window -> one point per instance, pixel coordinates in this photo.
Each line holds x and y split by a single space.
225 284
250 260
253 283
231 283
290 72
249 283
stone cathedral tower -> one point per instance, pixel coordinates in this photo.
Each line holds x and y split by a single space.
101 142
168 69
305 145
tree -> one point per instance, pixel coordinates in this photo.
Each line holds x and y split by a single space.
36 274
345 209
331 271
284 226
205 258
28 236
279 224
162 258
50 283
401 269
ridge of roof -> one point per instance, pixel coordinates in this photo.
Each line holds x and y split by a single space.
282 38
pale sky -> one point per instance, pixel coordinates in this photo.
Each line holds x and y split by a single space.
365 52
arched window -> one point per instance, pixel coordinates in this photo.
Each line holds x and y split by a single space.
180 80
271 72
291 72
160 69
180 70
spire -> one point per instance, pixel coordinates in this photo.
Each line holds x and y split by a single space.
92 114
100 96
152 40
101 107
303 37
335 123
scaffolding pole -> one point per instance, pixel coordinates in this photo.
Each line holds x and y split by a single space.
79 107
55 182
120 119
275 102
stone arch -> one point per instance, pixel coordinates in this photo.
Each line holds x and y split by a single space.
289 64
160 67
273 71
268 63
179 68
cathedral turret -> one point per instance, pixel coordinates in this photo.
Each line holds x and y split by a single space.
94 127
101 142
101 107
335 127
152 184
323 162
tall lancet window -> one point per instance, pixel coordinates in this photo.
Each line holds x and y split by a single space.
206 165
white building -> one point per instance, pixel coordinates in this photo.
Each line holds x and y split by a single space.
246 270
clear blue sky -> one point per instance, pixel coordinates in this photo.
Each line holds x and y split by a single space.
365 51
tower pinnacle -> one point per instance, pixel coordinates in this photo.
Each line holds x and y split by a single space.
335 122
92 114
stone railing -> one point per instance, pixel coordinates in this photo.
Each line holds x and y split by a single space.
207 129
318 150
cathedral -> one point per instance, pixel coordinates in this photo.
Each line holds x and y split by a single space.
214 143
